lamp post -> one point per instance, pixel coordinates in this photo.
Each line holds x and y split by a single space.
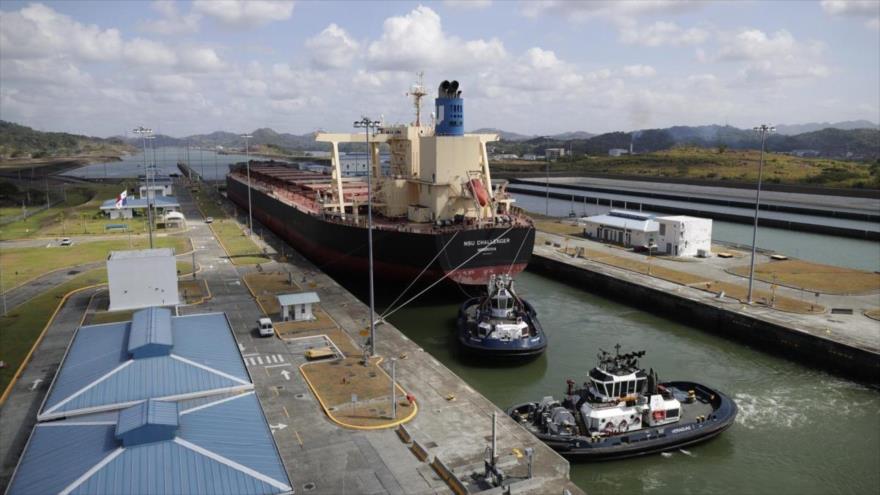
144 133
547 203
247 154
368 124
764 129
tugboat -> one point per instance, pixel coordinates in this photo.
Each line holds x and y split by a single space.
624 411
500 324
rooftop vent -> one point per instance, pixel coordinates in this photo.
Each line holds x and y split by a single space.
150 333
147 422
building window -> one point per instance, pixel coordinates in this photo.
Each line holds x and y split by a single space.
662 229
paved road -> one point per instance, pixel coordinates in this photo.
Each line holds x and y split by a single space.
19 413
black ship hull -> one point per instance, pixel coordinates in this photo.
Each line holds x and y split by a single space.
468 256
645 441
520 349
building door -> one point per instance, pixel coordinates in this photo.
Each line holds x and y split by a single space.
676 249
668 247
628 239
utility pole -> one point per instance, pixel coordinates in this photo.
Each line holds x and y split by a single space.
764 129
368 124
393 389
144 132
247 154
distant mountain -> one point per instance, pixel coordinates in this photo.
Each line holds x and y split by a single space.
505 135
567 136
18 141
840 143
790 130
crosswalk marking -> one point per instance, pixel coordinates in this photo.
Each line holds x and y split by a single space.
255 359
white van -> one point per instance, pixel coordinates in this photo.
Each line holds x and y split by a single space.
264 325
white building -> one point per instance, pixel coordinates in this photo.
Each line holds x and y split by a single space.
554 153
681 235
142 278
297 307
627 228
161 206
618 152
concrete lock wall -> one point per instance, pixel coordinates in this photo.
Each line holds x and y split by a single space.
142 282
765 335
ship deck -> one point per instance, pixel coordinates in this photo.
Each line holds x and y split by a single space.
304 190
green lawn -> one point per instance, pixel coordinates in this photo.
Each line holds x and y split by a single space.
239 247
79 214
20 328
22 264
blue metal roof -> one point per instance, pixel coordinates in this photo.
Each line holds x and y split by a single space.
148 421
99 374
150 333
220 447
158 202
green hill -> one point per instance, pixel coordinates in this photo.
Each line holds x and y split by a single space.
21 142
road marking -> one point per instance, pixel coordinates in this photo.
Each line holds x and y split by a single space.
279 426
260 359
285 374
286 413
277 365
40 380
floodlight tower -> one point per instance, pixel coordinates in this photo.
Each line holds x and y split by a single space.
145 133
367 124
764 130
247 154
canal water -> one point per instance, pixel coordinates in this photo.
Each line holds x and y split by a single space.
799 430
211 164
840 251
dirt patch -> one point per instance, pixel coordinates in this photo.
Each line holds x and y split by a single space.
874 314
336 382
813 277
193 291
734 291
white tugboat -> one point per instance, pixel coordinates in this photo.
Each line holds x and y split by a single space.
500 324
623 411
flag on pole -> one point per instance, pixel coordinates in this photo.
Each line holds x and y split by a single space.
120 200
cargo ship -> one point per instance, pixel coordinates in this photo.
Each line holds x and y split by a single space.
437 215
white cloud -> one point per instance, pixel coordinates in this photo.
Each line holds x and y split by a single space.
199 59
245 13
772 57
468 4
147 52
607 9
859 8
332 48
639 71
39 31
869 9
417 40
661 33
171 21
48 71
171 83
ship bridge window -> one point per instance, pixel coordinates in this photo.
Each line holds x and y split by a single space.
672 413
616 389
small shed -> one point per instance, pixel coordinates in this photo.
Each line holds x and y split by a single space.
301 304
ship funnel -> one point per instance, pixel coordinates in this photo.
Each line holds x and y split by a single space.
450 110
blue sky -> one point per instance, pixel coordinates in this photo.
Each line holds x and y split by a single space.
531 67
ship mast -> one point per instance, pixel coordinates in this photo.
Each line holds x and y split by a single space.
417 92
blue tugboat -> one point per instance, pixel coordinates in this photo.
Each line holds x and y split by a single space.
500 324
623 411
